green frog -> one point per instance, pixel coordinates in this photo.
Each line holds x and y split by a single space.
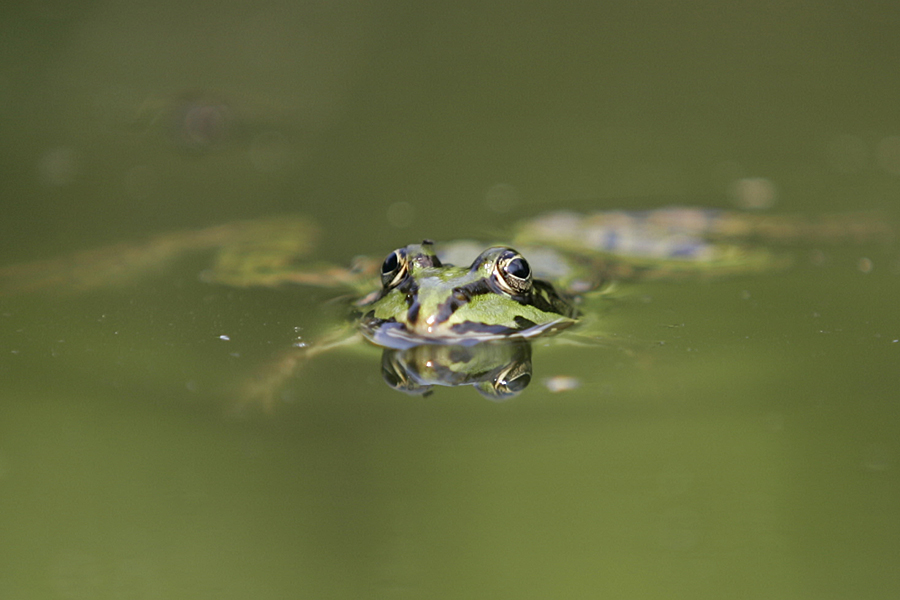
463 299
424 301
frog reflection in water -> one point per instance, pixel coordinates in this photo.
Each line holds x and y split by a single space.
497 370
442 324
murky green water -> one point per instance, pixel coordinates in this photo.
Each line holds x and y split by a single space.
734 439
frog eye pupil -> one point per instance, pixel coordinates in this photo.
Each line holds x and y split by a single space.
518 268
390 264
513 274
394 269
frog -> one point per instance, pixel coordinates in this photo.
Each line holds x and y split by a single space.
445 308
424 301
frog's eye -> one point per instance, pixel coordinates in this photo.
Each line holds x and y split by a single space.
513 273
394 268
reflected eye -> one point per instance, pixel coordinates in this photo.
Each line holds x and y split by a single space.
508 383
516 385
394 268
513 272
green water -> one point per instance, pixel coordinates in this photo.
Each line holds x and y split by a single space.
733 439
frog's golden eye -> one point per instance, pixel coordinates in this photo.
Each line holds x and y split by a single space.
394 268
512 272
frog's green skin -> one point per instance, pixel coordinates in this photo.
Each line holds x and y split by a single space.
424 301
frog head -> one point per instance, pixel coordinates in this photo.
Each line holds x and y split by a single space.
423 301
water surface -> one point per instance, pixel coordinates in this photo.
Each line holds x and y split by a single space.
731 437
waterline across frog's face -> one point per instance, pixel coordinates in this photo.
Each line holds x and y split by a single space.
423 301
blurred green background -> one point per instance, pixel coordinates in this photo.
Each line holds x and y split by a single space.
735 438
